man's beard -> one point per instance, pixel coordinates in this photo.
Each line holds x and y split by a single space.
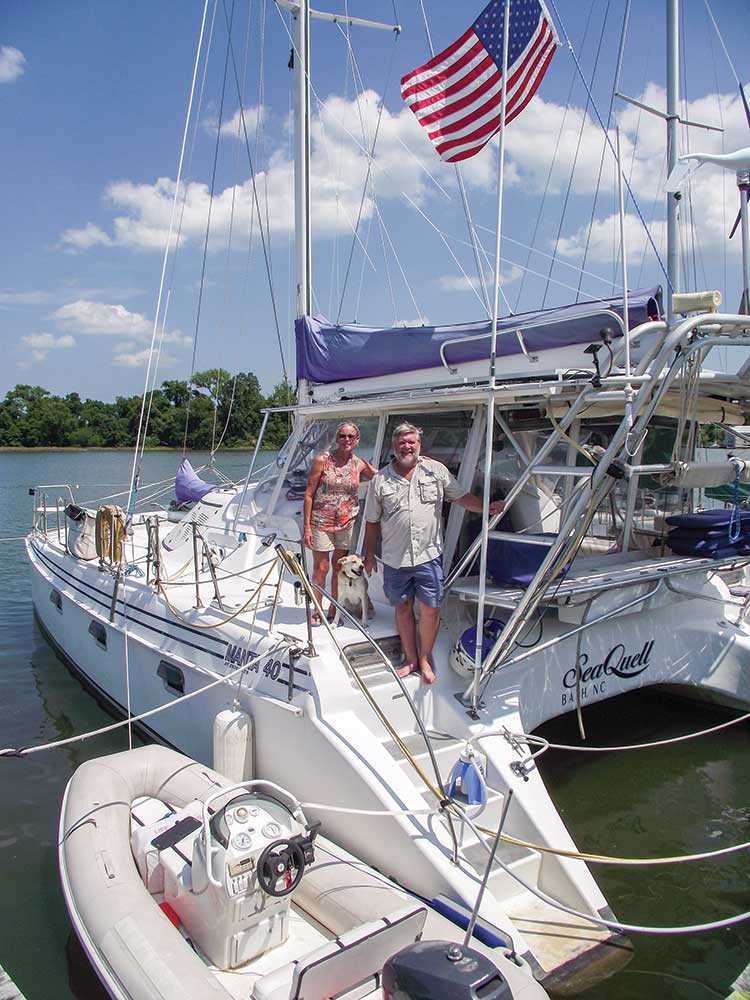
408 460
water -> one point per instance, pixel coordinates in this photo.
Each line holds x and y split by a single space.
684 799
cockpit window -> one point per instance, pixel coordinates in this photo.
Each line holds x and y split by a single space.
445 435
316 436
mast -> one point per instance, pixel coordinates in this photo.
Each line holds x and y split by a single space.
302 239
301 11
673 118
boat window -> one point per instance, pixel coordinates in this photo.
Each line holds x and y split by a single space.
173 677
56 599
99 633
537 508
317 436
653 501
445 435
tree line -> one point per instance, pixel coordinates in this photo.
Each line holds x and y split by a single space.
214 405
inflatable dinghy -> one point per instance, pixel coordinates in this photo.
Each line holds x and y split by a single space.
183 886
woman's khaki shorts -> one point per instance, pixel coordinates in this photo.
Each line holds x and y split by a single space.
327 541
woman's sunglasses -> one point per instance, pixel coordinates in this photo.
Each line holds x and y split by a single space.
343 437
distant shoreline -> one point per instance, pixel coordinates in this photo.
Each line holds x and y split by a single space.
10 449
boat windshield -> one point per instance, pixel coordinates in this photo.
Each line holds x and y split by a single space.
295 460
542 503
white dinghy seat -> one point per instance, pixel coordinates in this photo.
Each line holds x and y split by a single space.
353 959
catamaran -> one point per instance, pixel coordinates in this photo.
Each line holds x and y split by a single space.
601 576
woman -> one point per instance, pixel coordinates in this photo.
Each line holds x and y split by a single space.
332 504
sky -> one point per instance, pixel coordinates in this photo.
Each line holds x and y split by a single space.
93 103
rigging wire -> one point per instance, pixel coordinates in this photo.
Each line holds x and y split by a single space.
574 164
381 231
362 268
723 174
609 142
615 87
690 215
375 164
543 253
371 153
136 464
617 266
721 40
211 193
264 242
214 446
183 203
470 284
543 200
473 239
384 230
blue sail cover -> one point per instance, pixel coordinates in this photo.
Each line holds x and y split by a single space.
188 485
328 353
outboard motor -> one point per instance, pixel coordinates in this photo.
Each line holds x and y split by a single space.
439 970
247 859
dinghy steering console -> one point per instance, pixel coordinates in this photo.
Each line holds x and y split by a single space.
230 877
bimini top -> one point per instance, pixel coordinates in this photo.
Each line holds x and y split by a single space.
328 353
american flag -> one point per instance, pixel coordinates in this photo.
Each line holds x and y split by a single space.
457 95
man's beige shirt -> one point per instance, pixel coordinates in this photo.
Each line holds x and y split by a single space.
410 511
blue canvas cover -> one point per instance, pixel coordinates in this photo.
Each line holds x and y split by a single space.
188 485
330 353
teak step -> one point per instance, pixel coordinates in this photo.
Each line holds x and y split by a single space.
572 953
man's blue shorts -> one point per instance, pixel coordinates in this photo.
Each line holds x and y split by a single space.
425 582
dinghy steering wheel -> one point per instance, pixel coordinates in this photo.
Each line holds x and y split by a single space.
212 848
283 859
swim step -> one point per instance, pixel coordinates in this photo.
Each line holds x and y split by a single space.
573 953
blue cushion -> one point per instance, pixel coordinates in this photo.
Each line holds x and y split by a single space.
514 562
714 548
706 519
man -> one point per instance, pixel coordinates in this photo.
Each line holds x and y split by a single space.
404 502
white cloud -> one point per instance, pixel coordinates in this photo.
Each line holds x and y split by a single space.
233 128
83 316
40 344
36 298
85 238
470 282
12 63
176 337
129 357
404 163
605 239
406 167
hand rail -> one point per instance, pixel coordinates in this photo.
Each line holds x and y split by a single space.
516 329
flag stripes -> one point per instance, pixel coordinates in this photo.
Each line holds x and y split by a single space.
457 95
